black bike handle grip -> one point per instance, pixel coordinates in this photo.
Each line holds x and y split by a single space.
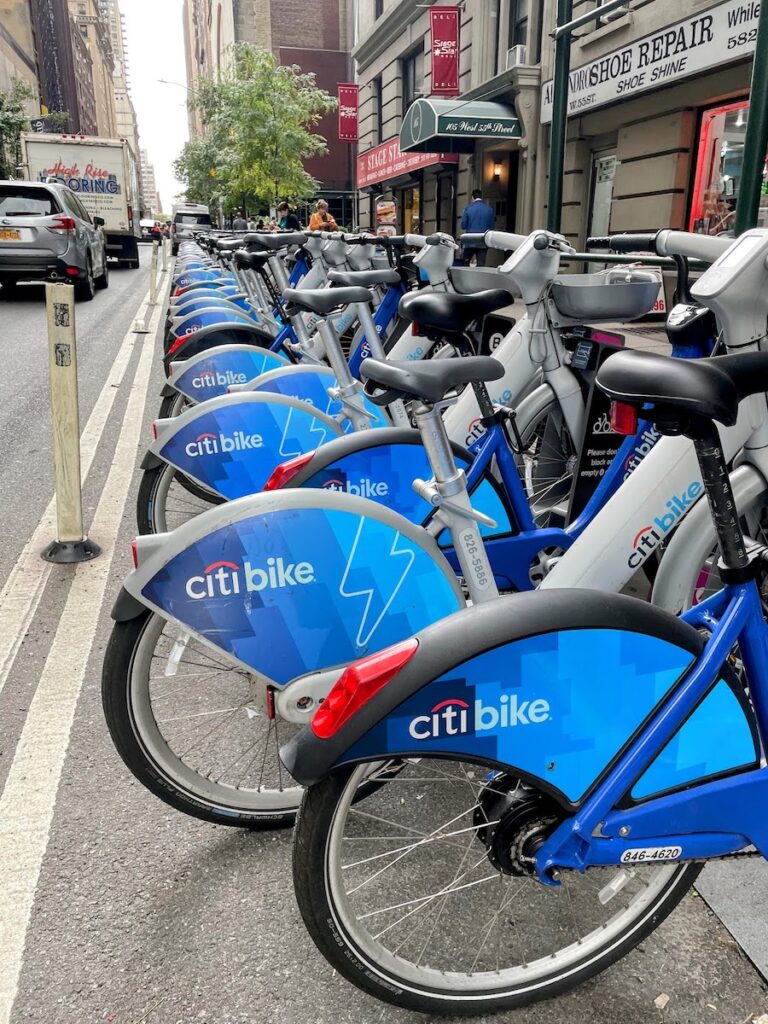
598 242
473 238
640 242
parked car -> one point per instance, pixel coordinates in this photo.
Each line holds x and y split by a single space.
47 234
188 218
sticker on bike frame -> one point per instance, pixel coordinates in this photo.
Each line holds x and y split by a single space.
211 374
649 854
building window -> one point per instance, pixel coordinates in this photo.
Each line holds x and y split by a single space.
518 23
718 170
378 8
378 116
495 16
413 77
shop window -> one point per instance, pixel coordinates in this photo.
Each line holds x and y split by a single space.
518 23
718 171
413 77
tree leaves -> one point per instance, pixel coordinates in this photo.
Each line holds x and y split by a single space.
258 119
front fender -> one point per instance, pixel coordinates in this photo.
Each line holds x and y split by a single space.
550 686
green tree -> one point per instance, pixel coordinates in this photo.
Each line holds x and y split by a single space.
13 121
259 123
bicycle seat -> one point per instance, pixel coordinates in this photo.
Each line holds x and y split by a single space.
430 381
451 313
228 244
250 260
707 388
324 300
273 242
365 278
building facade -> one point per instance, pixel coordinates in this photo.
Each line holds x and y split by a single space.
315 34
149 186
657 113
125 113
17 48
90 20
56 56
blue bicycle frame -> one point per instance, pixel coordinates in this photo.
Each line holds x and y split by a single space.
711 819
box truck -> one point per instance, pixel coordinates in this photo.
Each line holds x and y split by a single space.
103 174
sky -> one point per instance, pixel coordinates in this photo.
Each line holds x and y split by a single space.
156 50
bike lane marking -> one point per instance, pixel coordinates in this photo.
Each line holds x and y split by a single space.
21 594
28 801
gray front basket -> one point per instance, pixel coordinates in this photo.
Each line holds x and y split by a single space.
616 295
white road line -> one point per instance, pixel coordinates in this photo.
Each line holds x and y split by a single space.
28 800
25 584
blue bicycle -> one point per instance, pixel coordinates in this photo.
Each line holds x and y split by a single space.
509 801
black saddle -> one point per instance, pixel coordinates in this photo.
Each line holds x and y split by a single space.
324 300
451 313
246 260
364 278
274 241
675 388
228 244
432 380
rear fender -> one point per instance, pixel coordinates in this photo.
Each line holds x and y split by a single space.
232 444
311 384
382 465
211 373
290 583
217 334
550 686
210 316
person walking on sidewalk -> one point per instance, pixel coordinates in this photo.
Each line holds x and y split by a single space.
239 223
321 220
477 219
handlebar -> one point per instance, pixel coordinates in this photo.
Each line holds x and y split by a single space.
473 239
504 240
415 241
664 243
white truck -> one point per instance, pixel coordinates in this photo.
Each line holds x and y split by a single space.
103 174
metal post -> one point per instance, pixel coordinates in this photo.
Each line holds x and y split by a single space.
756 137
164 250
70 544
153 276
559 128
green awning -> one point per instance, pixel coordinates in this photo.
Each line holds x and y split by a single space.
450 126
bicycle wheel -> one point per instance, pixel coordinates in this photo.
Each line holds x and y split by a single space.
167 499
401 896
194 728
173 405
547 463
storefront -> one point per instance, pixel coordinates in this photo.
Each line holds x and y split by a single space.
656 126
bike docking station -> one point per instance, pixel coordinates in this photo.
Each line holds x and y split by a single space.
142 326
70 545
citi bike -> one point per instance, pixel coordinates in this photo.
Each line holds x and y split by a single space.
508 802
231 630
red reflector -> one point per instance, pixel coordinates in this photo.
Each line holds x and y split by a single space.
134 554
415 329
358 684
71 271
179 342
154 431
623 418
179 291
286 471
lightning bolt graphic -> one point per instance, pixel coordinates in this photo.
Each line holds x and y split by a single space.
290 446
390 574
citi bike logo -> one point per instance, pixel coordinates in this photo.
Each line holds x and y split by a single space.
225 579
216 444
647 539
454 717
364 488
648 439
416 354
218 379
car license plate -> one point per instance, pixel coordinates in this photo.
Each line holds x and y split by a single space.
8 235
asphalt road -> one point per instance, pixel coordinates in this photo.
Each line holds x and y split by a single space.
115 908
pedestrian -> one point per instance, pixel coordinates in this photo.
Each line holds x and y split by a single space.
321 220
286 218
239 223
477 218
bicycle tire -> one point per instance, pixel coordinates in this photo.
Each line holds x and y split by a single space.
325 924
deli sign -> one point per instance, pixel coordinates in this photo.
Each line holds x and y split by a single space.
389 161
699 43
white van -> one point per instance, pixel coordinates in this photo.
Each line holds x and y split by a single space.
188 218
